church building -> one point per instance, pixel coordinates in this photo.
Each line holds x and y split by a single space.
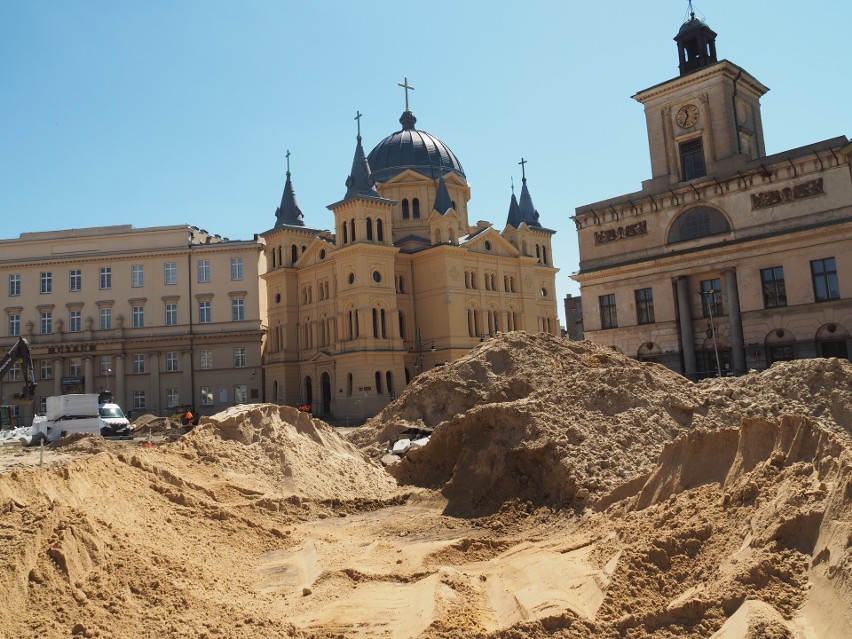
404 282
727 259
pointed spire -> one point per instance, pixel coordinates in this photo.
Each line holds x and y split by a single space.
288 213
443 201
526 210
514 217
360 180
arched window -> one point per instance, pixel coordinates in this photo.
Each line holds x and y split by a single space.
402 326
273 258
352 228
369 228
375 322
415 205
384 324
538 252
294 254
378 383
349 385
699 221
544 255
405 209
389 382
407 376
380 231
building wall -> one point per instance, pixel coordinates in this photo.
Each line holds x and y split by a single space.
157 364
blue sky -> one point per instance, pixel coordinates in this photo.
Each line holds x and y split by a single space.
181 111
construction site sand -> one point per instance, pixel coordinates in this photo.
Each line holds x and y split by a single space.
566 491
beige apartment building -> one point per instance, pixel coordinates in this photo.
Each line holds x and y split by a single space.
403 283
164 317
727 259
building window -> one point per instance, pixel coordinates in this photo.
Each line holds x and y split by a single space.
782 353
75 321
14 325
415 208
203 271
171 314
238 310
645 305
236 269
206 359
138 363
137 276
405 214
138 315
206 395
240 394
106 319
139 402
609 318
47 282
105 278
106 365
171 361
75 280
46 323
172 397
46 371
774 290
240 357
14 285
711 298
75 368
826 285
15 372
204 312
692 159
170 273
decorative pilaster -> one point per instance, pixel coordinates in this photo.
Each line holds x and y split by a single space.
686 337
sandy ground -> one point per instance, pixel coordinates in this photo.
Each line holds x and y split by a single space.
609 500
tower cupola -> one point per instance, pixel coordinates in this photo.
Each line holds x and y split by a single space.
696 44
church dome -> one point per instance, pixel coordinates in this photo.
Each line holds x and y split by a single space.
412 149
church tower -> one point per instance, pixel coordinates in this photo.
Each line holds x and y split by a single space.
705 120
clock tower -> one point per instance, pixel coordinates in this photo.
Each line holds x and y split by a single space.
707 118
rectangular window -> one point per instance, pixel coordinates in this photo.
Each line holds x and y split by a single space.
239 357
106 364
782 353
75 321
240 394
105 278
609 318
774 289
15 372
711 298
139 401
46 282
171 361
137 276
236 268
138 362
171 314
206 359
14 285
138 315
46 369
204 313
206 395
75 280
238 310
14 325
170 270
106 319
692 159
645 305
826 284
46 323
75 368
172 397
203 271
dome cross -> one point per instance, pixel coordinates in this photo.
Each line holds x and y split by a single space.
407 88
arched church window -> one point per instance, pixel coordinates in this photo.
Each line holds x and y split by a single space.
375 322
345 233
405 209
402 326
415 205
380 231
352 228
699 221
378 383
294 254
544 255
369 228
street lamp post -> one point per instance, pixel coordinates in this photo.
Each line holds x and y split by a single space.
710 299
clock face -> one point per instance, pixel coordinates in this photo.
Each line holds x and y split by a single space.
687 116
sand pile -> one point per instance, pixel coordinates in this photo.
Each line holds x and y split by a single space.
567 492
